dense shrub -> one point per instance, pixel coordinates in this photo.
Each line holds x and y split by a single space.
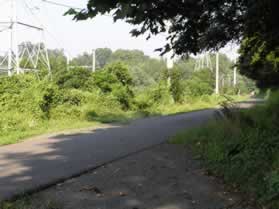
33 102
149 100
121 73
160 94
115 79
104 81
177 87
73 97
200 83
124 95
243 148
76 78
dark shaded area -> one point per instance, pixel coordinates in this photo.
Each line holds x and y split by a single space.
36 164
164 177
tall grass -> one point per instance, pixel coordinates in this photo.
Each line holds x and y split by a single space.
28 203
243 149
29 106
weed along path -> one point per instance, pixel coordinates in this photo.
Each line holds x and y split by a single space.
36 164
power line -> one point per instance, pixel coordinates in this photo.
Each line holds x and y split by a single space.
62 5
65 6
46 29
30 10
58 41
68 6
5 29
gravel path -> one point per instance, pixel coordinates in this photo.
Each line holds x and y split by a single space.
164 177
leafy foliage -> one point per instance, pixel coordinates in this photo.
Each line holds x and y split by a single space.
260 61
201 83
76 78
243 149
177 87
58 60
130 84
103 55
193 25
197 26
116 79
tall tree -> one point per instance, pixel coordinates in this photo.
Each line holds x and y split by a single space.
197 25
129 56
84 59
193 26
103 56
260 61
57 59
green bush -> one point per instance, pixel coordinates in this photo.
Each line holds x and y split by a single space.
66 112
104 81
34 103
73 97
77 78
116 80
160 94
143 101
124 95
243 148
201 83
49 98
121 73
177 87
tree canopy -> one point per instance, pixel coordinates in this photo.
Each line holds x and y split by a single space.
194 26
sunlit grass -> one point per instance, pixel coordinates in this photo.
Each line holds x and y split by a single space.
242 148
93 119
28 203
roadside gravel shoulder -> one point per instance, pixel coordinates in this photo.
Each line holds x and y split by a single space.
164 177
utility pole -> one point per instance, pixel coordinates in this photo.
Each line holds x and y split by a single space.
14 42
10 53
169 63
12 20
234 75
14 31
217 74
93 60
169 66
203 61
68 61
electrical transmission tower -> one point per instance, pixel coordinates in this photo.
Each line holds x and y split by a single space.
24 56
204 61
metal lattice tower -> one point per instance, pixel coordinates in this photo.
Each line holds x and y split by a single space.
25 56
204 61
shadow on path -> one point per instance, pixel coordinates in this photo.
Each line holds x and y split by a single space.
37 164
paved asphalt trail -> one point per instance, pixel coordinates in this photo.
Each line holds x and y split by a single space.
34 164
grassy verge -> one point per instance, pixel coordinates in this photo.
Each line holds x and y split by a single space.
92 119
123 117
54 126
27 203
205 102
243 149
47 128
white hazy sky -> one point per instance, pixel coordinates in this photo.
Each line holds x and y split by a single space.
77 37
